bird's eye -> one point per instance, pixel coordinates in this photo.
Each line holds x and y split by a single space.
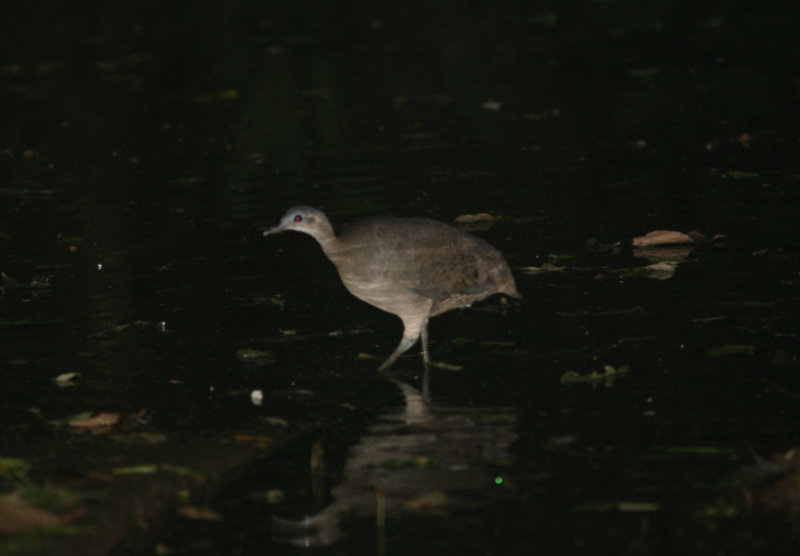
298 218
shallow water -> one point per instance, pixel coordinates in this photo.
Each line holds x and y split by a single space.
144 150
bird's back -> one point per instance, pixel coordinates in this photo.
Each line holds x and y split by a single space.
383 259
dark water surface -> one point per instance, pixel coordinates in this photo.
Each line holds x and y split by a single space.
145 146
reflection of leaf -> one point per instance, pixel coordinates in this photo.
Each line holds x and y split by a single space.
431 499
624 506
141 438
133 324
655 253
661 271
17 516
54 497
410 463
14 468
731 349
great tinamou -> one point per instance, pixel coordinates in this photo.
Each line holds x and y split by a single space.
414 268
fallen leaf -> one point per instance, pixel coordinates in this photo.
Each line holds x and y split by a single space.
745 139
662 237
246 437
254 356
230 94
152 468
740 175
638 506
65 380
607 376
546 267
731 349
144 469
446 366
197 513
275 496
276 421
98 424
472 218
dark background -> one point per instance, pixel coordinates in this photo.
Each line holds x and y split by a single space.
144 146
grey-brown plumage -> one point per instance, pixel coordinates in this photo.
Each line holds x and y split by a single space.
411 267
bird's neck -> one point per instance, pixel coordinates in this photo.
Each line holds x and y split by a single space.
329 244
323 233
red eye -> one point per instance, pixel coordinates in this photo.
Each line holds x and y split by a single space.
298 218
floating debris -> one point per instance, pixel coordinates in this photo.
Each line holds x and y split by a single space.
607 377
65 380
731 349
546 267
254 356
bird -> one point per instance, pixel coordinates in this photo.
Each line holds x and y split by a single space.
414 268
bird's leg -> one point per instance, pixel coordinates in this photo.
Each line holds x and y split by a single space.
426 363
426 358
413 324
402 347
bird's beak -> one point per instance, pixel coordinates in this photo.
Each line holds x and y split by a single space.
270 231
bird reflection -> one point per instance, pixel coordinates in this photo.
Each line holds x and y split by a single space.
426 458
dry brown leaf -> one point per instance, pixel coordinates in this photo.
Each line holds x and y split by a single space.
472 218
98 424
661 237
745 139
195 512
480 221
